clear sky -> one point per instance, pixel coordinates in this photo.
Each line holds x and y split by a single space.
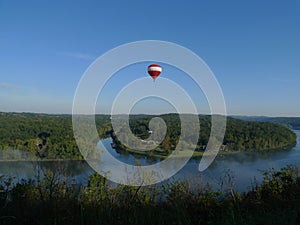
253 48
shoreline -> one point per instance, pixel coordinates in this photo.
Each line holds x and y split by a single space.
158 156
196 154
40 160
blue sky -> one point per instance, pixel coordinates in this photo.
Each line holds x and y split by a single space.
253 48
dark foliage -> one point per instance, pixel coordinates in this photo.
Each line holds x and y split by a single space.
44 135
51 199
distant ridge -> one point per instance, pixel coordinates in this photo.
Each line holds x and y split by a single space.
291 122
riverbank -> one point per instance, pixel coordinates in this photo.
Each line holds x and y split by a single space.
41 160
196 154
154 154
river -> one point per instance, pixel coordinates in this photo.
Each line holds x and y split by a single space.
243 168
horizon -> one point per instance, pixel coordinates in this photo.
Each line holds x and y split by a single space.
137 114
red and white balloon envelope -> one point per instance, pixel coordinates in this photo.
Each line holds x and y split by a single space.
154 70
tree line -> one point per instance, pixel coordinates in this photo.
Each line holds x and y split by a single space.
51 136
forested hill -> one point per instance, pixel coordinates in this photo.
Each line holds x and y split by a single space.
44 135
291 122
240 135
51 136
256 136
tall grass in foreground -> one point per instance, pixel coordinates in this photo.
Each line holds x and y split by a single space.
52 199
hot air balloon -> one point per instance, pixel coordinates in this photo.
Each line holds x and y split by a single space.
154 70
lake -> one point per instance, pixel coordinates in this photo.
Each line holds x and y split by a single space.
243 168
